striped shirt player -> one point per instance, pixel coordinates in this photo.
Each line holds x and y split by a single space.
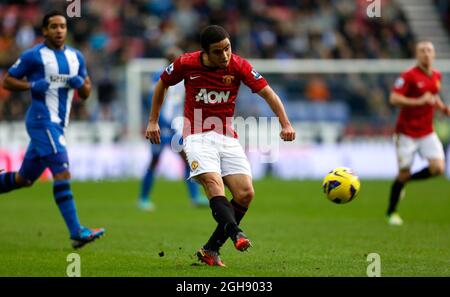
53 72
49 112
416 92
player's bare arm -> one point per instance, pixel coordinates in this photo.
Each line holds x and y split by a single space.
287 131
441 105
153 133
14 84
399 100
85 89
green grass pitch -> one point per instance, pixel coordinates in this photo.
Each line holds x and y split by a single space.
295 231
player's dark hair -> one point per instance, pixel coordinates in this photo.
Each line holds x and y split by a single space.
45 20
212 34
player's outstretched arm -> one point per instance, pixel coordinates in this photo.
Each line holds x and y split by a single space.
14 84
399 100
287 132
152 133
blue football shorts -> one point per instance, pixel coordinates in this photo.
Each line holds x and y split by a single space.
47 149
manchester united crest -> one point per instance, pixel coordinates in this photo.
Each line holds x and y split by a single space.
227 79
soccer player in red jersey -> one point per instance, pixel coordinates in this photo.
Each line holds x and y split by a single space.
212 78
416 92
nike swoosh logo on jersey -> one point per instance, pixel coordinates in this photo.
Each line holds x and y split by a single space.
194 77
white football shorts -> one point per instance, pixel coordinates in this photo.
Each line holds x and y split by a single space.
429 147
213 152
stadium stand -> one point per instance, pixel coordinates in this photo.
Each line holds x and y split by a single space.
112 32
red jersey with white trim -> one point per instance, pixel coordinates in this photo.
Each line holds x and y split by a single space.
211 92
416 121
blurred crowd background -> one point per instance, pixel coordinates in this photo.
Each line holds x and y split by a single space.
112 32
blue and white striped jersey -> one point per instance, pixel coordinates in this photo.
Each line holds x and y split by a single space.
57 66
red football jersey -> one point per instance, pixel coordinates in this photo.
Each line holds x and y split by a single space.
211 92
416 121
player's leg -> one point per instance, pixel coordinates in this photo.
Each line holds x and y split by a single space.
436 166
204 160
148 179
406 147
10 181
197 199
62 192
395 194
242 190
241 187
430 148
237 176
222 210
29 171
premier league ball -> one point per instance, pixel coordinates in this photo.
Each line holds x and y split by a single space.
341 185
